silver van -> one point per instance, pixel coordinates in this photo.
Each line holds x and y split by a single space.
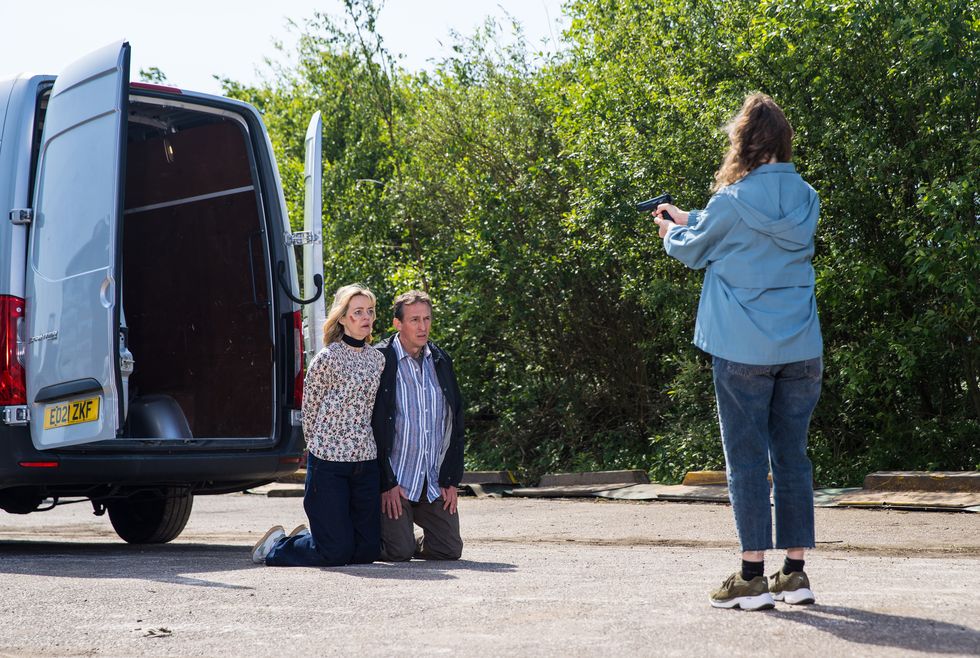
151 326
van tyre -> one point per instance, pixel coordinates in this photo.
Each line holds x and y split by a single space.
151 517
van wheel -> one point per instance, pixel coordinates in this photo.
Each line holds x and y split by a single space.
151 517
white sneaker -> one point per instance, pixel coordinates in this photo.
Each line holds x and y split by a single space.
301 529
264 546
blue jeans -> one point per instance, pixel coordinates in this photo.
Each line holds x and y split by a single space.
343 504
764 412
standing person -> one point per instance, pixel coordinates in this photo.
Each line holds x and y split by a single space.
758 320
342 494
418 420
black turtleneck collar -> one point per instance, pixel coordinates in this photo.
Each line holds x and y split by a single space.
353 342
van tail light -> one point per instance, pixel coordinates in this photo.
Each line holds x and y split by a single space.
298 360
13 385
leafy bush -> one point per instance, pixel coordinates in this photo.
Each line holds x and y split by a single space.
503 183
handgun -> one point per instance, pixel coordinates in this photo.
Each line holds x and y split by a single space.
651 204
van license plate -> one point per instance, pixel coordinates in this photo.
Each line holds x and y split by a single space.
71 413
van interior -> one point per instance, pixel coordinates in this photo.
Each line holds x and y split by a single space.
195 275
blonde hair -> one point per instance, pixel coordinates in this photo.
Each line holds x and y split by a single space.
758 132
332 329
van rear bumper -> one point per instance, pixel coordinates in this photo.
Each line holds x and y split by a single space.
203 470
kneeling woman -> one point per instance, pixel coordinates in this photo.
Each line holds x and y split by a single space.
343 493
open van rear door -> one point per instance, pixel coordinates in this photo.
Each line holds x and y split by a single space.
315 313
73 287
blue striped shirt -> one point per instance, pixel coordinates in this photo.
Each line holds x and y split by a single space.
421 438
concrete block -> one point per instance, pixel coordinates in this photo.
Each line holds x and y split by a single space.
488 477
594 477
296 477
286 492
701 478
708 478
947 481
935 500
485 490
565 491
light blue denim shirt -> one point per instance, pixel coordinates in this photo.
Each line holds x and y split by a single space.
755 239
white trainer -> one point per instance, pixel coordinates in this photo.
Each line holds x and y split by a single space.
301 529
264 546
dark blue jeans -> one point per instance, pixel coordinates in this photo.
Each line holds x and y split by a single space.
764 412
343 503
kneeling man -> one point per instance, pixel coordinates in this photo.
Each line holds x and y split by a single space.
418 424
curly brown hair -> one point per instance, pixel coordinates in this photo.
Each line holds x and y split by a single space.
759 132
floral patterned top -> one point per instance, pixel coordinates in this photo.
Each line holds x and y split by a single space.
338 398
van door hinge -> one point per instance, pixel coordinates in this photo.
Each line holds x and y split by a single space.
299 238
21 216
20 415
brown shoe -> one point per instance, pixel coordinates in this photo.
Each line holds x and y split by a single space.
792 588
747 595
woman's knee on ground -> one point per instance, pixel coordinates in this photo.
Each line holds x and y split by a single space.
366 554
335 554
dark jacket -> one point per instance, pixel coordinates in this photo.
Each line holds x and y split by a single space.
383 420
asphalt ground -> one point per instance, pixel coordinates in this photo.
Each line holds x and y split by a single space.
538 577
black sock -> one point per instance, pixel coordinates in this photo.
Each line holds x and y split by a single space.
752 569
789 566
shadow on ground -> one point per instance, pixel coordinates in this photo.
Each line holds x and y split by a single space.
168 563
431 569
865 627
165 563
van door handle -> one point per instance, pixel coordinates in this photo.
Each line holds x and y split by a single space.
317 281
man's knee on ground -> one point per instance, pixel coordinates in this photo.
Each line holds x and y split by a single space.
453 552
392 553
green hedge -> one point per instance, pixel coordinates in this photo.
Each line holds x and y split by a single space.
503 183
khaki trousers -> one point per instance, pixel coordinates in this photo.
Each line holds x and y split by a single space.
440 539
